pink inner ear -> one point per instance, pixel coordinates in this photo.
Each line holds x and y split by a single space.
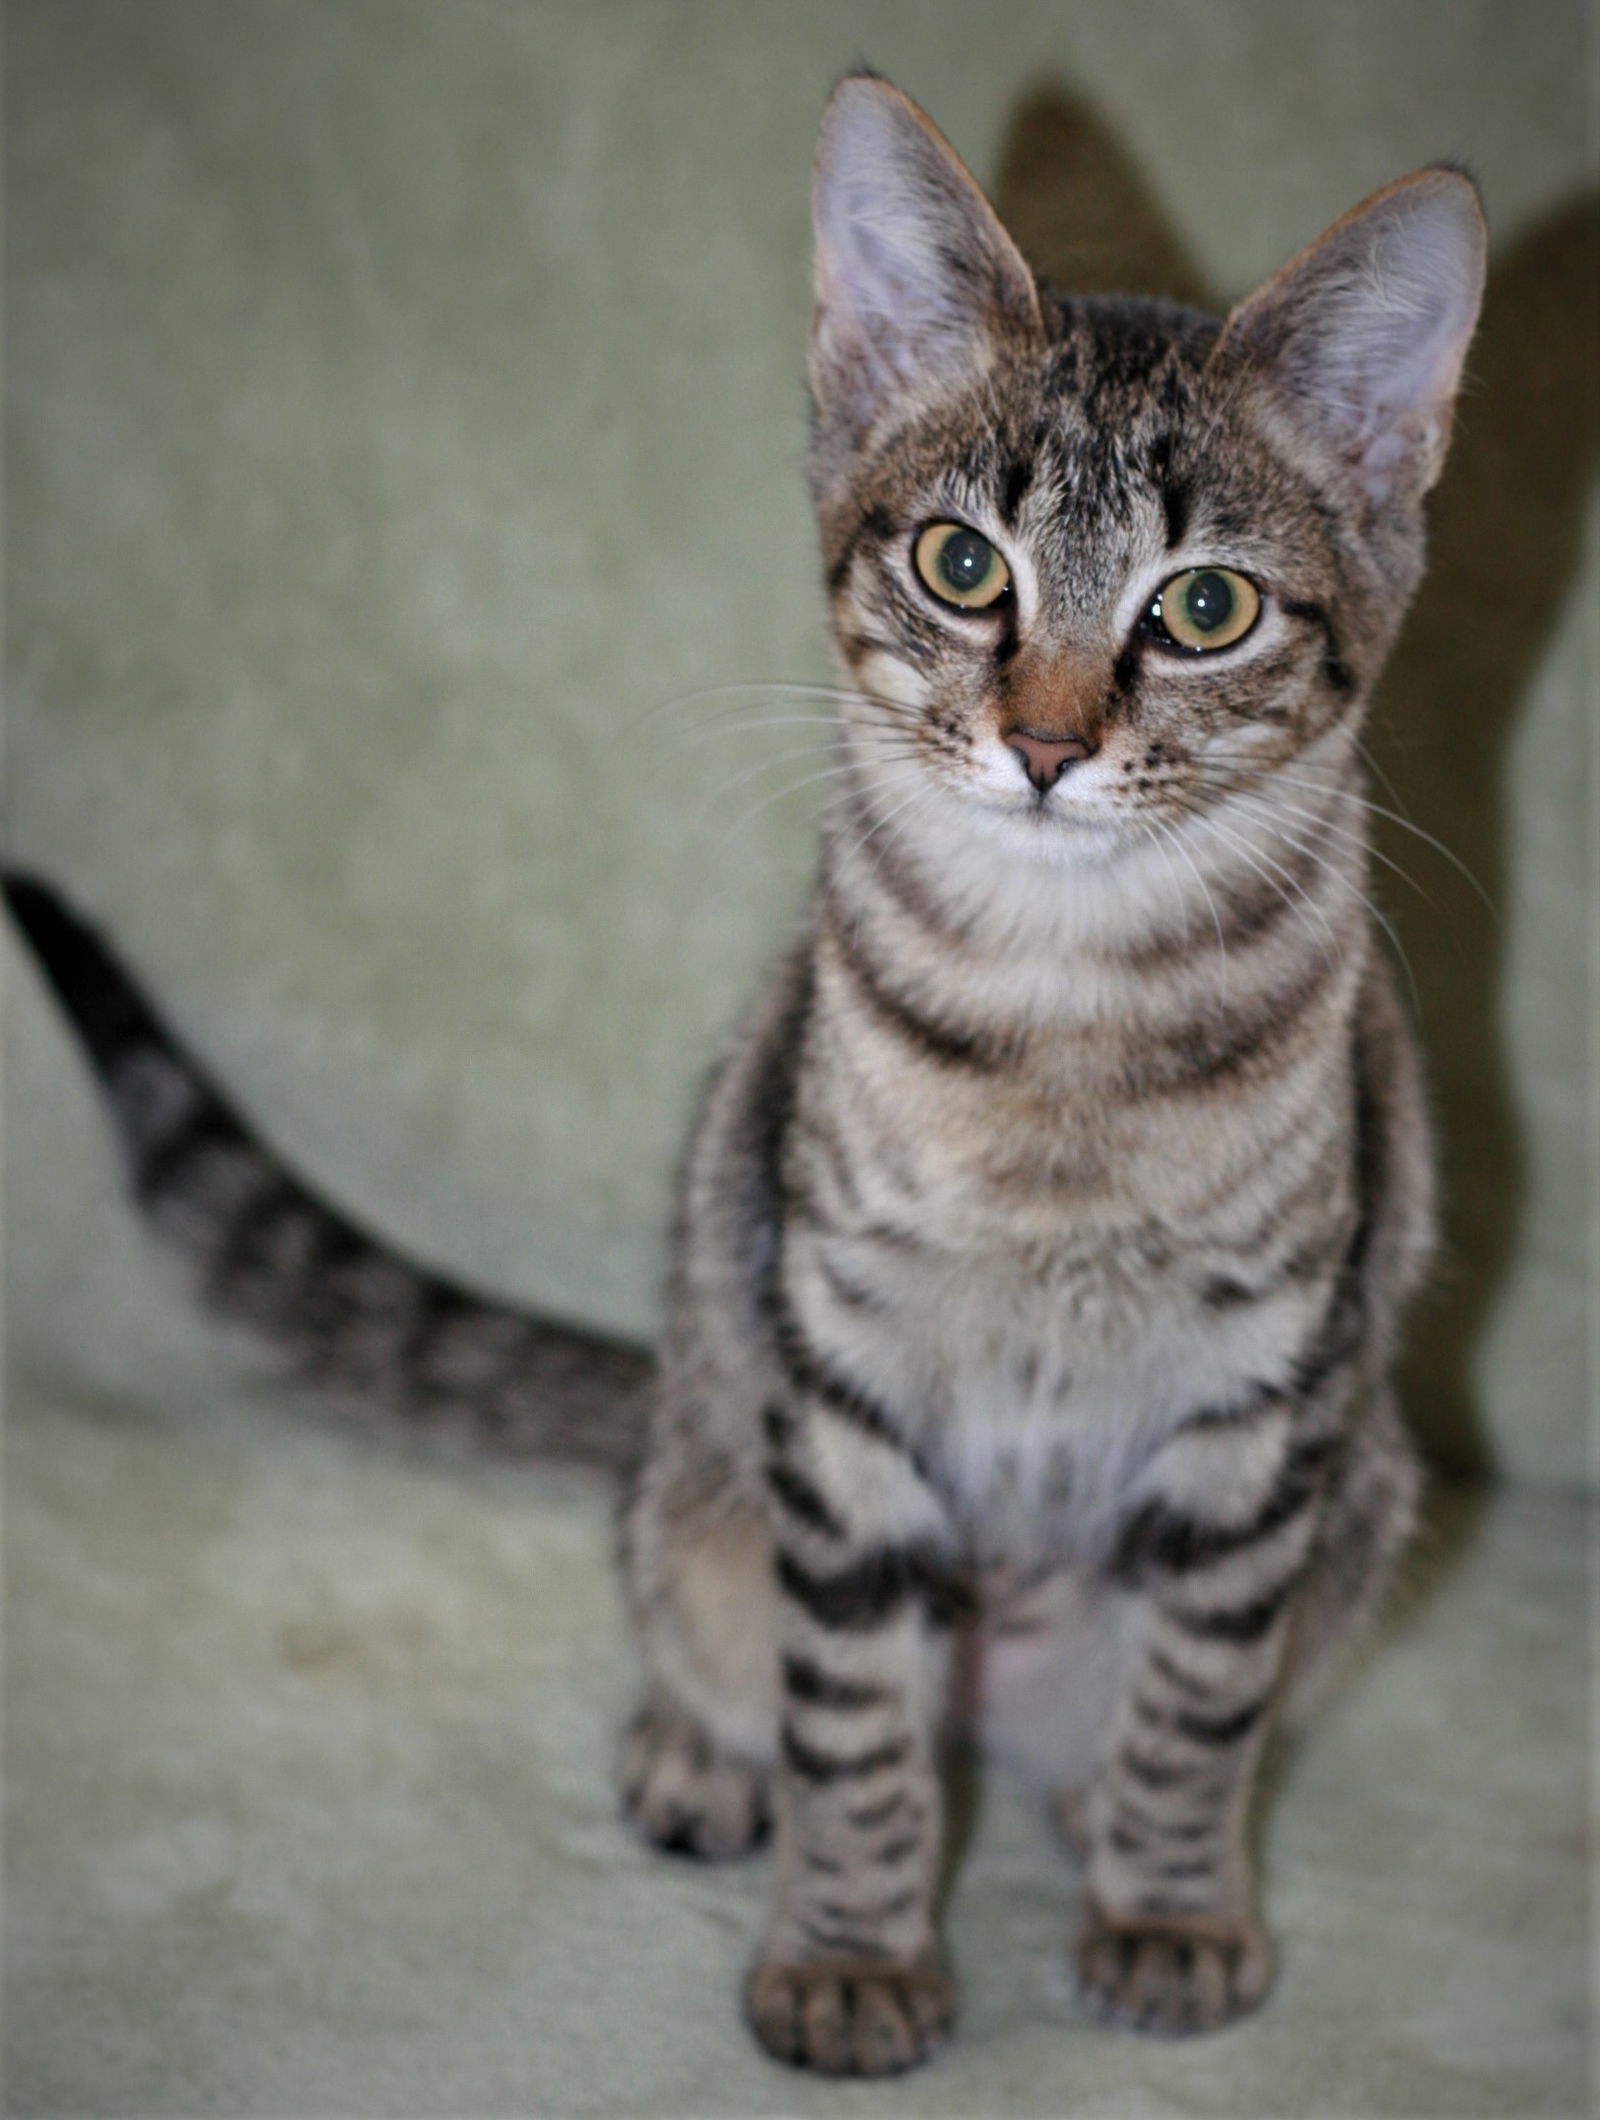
1369 326
876 266
913 270
1415 314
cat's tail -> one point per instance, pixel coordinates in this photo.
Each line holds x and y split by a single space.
377 1333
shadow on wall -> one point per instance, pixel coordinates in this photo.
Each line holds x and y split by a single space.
1507 526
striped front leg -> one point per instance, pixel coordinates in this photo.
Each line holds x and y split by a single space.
1171 1941
851 1980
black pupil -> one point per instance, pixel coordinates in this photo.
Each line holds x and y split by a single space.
965 559
1208 602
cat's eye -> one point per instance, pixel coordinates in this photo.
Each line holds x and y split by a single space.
1206 607
961 567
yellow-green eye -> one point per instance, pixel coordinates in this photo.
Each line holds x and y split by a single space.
1209 607
961 567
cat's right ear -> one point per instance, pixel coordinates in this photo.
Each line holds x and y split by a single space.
917 283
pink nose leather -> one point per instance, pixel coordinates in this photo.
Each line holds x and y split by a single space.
1046 758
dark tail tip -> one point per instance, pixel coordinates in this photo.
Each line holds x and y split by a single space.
101 1002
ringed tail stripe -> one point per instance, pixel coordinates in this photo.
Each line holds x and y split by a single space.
343 1310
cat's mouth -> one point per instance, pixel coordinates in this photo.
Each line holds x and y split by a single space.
1037 821
1066 796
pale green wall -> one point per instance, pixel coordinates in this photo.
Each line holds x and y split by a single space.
405 400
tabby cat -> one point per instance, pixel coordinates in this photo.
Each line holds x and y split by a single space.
1044 1240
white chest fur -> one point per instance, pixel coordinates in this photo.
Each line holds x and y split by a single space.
1041 1387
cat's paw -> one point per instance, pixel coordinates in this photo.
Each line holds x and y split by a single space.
684 1796
1169 1975
851 2016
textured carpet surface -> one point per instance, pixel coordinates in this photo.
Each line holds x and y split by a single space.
309 1811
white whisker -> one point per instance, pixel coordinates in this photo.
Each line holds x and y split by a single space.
1380 917
1352 834
1266 864
1205 890
1378 809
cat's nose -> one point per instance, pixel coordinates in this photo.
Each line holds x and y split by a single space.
1046 758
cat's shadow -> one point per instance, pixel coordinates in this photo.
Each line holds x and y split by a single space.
1506 535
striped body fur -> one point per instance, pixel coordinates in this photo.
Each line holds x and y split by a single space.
1045 1240
1045 1236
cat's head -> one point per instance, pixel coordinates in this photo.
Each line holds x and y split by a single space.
1097 561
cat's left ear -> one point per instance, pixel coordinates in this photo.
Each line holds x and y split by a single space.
917 283
1364 333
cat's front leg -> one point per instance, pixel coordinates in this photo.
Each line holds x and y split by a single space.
851 1980
1215 1552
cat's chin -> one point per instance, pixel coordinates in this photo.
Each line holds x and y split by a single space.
1050 833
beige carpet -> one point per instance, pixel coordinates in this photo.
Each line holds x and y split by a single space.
310 1812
